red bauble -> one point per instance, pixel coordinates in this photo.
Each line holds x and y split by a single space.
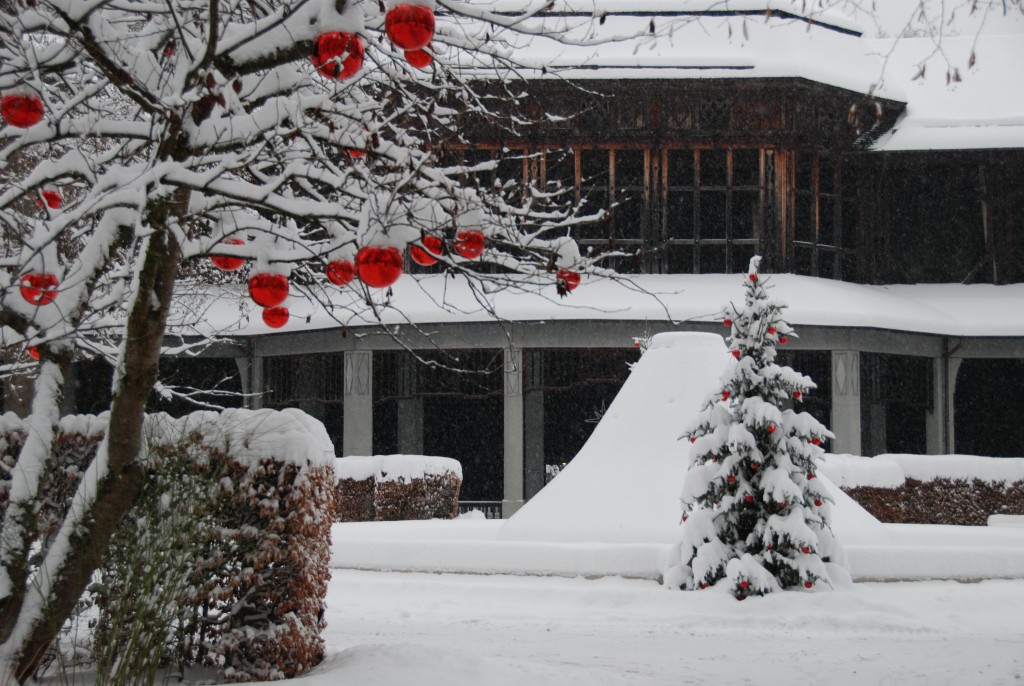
378 267
810 476
427 255
771 329
755 466
771 428
22 110
268 290
275 317
744 584
33 352
783 340
420 59
39 289
808 584
817 502
727 322
753 277
356 154
693 439
338 55
782 505
736 354
636 344
749 498
797 395
805 550
685 517
731 479
410 27
816 441
51 197
725 395
470 244
340 272
568 278
703 585
225 263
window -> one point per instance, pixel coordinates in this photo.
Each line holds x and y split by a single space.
824 218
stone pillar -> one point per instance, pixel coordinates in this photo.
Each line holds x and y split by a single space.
358 403
410 409
533 424
244 365
513 492
256 383
846 420
939 421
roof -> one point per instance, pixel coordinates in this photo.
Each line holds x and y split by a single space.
942 309
880 52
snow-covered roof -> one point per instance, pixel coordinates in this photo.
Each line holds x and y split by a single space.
879 51
943 309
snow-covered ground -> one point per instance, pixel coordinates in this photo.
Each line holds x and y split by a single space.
472 630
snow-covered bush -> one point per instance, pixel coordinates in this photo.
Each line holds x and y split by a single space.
397 487
756 519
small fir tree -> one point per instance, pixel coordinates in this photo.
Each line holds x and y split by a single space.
756 519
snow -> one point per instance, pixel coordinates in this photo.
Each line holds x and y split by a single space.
943 309
890 471
394 467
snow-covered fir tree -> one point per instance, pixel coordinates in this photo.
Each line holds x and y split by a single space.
756 517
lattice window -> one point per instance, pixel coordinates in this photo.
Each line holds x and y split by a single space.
824 218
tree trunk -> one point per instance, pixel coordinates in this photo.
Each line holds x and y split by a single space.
118 490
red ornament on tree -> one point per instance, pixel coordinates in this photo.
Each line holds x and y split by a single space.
816 441
693 439
39 289
340 272
268 290
783 340
749 498
568 278
338 55
427 255
33 352
22 110
731 479
52 198
771 428
797 395
727 322
753 277
420 59
755 466
410 27
817 502
356 154
744 584
378 267
470 244
805 550
725 395
808 584
810 476
275 317
736 354
225 263
771 329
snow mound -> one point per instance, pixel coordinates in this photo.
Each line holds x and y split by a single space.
891 471
624 485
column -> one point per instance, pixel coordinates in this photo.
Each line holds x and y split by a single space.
256 385
410 409
846 420
358 403
513 491
533 423
939 420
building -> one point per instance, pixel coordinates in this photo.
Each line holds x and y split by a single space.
889 207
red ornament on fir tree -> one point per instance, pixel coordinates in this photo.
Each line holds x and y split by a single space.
22 110
378 267
33 352
736 354
744 584
749 499
693 439
808 584
338 55
771 428
755 466
771 329
731 479
428 254
725 395
753 277
568 278
805 550
797 395
810 476
340 272
783 340
727 322
356 154
39 289
225 263
470 244
817 502
410 27
275 317
268 290
816 441
420 59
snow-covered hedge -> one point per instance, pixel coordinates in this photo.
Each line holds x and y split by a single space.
931 489
253 604
397 487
